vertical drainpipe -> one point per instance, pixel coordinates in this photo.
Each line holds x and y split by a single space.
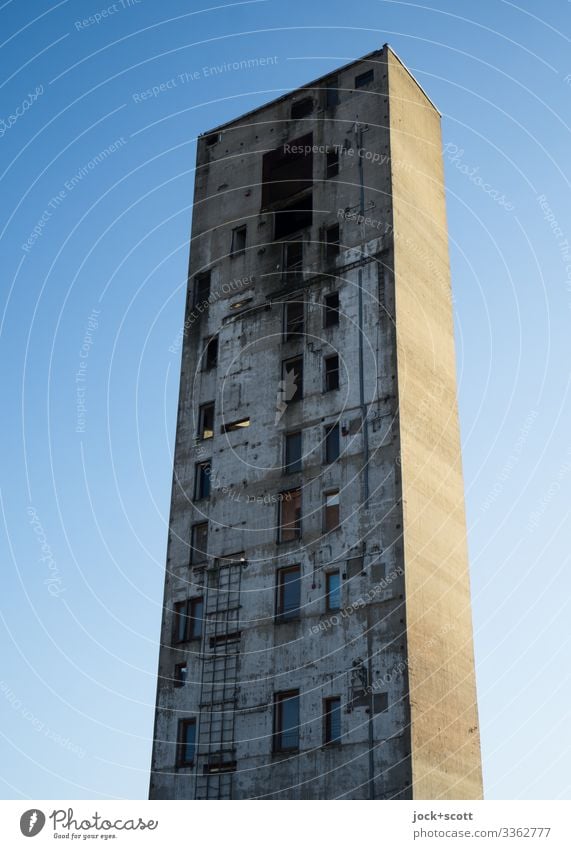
359 131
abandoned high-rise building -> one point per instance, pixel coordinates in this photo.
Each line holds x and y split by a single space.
316 639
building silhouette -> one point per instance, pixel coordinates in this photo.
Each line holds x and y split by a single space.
316 639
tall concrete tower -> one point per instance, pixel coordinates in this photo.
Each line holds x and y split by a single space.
316 639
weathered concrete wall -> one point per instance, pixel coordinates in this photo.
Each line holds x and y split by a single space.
444 719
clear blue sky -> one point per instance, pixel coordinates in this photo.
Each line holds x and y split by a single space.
79 654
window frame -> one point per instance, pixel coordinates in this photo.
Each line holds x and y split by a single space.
293 333
179 679
332 248
209 406
199 281
283 615
364 79
202 480
182 744
328 431
298 463
208 362
328 738
331 163
296 525
197 556
327 494
329 311
278 730
328 372
234 250
329 592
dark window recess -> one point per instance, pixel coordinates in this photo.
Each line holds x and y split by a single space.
331 93
293 319
238 240
292 261
285 173
180 674
201 288
289 525
210 355
212 138
331 317
293 452
380 702
331 443
332 246
331 373
199 542
294 217
331 519
186 742
333 591
239 424
214 767
206 421
292 379
288 596
355 566
366 78
302 108
286 721
332 163
332 720
202 480
188 617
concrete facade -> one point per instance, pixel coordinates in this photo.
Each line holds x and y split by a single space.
351 616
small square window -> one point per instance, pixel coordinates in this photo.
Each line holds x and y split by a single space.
332 163
289 513
332 443
180 674
286 721
332 720
198 542
288 592
293 319
331 316
210 354
364 79
302 108
331 518
292 452
331 373
202 480
333 591
331 92
292 378
206 421
201 288
186 742
212 139
332 246
238 240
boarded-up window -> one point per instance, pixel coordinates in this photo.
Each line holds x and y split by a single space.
331 509
286 721
290 515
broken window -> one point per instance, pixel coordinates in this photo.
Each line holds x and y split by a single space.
331 314
201 288
331 518
294 217
288 594
238 240
210 353
292 377
332 720
302 108
332 168
212 138
289 524
293 319
364 79
332 443
202 480
331 373
206 421
286 721
188 617
198 542
293 452
292 267
180 674
331 92
287 170
239 424
333 591
186 748
332 246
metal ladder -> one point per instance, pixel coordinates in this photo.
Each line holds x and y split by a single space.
216 752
